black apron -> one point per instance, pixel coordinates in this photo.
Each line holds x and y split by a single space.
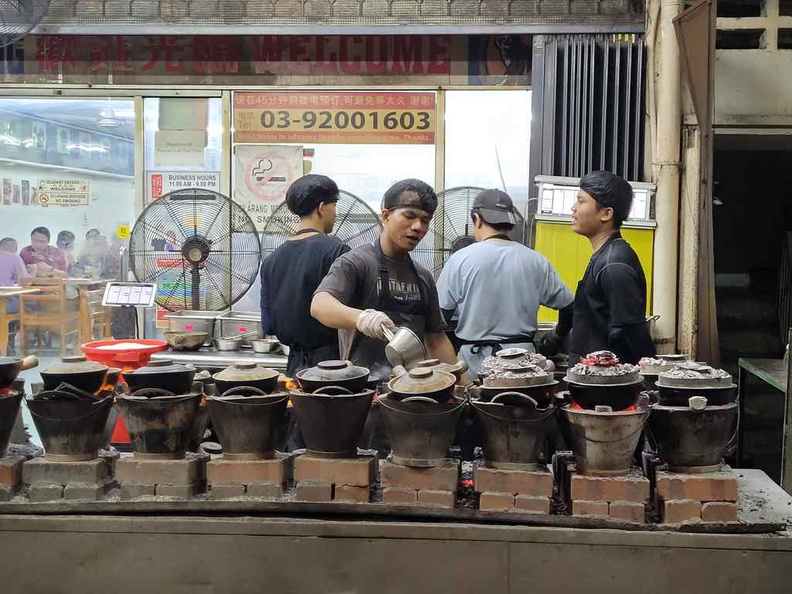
410 314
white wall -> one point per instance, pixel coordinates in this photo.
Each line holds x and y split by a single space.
112 203
753 87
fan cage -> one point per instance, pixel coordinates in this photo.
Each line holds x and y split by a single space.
200 247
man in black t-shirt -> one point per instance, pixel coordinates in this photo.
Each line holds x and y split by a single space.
610 301
378 286
291 274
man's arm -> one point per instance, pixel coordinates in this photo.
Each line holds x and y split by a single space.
440 347
332 313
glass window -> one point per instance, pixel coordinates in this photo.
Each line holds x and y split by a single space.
68 165
488 135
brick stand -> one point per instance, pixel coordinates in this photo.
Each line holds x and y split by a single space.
404 485
621 497
163 477
251 478
346 480
525 491
10 476
708 497
49 481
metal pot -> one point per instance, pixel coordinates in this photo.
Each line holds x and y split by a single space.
77 371
159 426
679 396
404 348
265 345
331 424
420 429
604 442
228 343
9 410
164 374
184 340
543 395
246 374
71 428
333 373
690 439
423 381
514 436
247 425
617 396
10 368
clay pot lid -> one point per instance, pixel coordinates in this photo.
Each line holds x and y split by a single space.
507 359
161 366
691 374
422 380
248 371
602 368
523 376
333 370
75 364
438 365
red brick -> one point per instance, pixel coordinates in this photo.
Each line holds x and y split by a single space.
681 510
355 472
220 491
44 492
137 471
265 490
589 508
523 482
440 478
714 486
84 491
314 491
352 494
181 491
41 470
629 487
532 505
493 501
11 470
719 511
133 491
628 511
438 498
399 495
246 472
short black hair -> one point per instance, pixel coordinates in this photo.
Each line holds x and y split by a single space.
66 235
609 190
6 241
41 231
306 194
427 199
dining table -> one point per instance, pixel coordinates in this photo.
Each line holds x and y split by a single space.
6 294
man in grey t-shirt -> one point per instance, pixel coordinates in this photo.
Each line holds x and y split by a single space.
378 286
497 285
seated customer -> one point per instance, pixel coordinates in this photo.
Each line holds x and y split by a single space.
65 242
46 258
12 268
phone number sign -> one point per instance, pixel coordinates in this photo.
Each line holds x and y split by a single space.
335 117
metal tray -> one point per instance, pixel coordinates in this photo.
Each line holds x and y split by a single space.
188 320
246 324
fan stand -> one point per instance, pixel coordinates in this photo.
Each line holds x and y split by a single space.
195 251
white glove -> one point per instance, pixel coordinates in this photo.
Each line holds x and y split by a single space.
372 323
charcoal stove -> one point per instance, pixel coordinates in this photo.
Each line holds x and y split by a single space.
696 418
599 379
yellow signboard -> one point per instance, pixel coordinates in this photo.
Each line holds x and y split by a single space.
335 117
123 231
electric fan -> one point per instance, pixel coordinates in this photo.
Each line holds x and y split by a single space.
356 224
200 248
20 17
451 228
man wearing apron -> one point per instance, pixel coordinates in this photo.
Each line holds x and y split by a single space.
497 285
290 275
610 302
378 286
